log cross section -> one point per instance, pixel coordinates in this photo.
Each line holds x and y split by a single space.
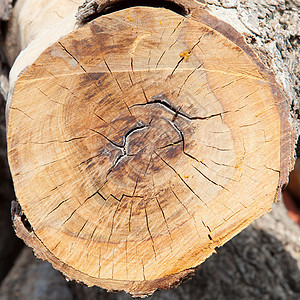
141 142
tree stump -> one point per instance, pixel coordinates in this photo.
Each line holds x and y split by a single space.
139 142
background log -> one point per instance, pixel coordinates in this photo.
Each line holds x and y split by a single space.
10 245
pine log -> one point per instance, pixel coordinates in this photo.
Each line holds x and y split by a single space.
139 141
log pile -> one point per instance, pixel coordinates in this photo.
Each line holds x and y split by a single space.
142 140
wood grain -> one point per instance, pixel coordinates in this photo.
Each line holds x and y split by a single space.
140 142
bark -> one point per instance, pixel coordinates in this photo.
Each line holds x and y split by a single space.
273 29
242 16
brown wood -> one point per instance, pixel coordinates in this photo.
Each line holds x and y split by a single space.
141 142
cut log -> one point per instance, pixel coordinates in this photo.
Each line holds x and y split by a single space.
139 142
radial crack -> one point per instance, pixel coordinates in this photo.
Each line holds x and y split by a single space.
210 180
165 220
181 178
131 81
130 215
65 49
82 228
219 164
177 65
183 143
268 168
116 80
217 148
181 21
144 93
148 165
112 225
205 225
160 59
159 99
171 144
143 267
17 109
99 117
55 208
112 142
148 228
188 78
191 216
111 73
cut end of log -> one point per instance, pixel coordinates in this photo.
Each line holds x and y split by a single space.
141 142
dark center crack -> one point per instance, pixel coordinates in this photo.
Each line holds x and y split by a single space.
161 99
160 132
125 144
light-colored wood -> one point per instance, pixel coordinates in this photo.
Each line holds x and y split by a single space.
140 142
43 21
5 9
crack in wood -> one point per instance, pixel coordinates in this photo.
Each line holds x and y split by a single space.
116 80
70 54
15 108
151 237
54 209
188 76
161 99
183 142
181 178
177 26
165 220
188 212
112 225
177 65
210 180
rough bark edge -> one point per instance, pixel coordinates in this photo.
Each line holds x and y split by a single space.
93 8
272 29
288 134
146 288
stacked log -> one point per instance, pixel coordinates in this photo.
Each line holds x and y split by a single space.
140 141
